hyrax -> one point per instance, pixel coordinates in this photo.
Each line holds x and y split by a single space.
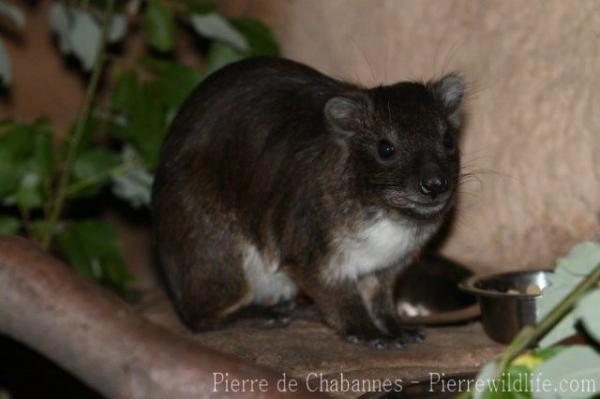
275 178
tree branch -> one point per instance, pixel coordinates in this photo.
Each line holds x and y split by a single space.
98 337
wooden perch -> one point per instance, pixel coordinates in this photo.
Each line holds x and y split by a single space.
96 336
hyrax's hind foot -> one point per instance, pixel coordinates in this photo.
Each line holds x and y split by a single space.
253 316
265 317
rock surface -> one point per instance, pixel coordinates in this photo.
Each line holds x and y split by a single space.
307 346
308 350
532 139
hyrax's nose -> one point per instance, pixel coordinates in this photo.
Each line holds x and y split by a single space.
433 184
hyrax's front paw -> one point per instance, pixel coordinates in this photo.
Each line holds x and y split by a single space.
408 335
379 343
398 338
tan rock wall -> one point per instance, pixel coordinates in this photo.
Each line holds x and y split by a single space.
42 84
533 137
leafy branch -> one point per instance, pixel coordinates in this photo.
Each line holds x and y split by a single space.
96 179
529 336
114 145
571 300
90 95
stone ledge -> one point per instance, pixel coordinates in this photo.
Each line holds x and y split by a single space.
307 346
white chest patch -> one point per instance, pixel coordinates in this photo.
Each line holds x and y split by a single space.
377 245
268 284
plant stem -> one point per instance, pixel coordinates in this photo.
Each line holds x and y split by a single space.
90 94
95 179
530 335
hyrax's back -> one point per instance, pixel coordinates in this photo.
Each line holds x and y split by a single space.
274 175
220 171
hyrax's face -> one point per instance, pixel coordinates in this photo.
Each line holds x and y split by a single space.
403 144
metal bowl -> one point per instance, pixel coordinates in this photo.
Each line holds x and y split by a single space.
505 306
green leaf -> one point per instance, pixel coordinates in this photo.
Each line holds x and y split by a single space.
5 66
580 364
16 140
145 115
9 178
158 23
29 193
149 127
259 37
25 162
38 228
547 353
515 383
552 296
92 248
74 248
59 19
144 109
79 31
94 161
85 38
173 83
518 381
93 164
581 260
15 143
126 91
134 186
486 373
42 161
214 26
90 131
569 272
9 225
219 55
13 12
118 28
587 312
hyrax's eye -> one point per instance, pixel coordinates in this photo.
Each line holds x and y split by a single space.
385 149
448 141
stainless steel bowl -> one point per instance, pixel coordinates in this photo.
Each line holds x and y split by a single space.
503 312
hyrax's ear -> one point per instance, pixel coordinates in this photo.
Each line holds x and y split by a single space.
450 91
345 114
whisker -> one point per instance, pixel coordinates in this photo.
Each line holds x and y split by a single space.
373 78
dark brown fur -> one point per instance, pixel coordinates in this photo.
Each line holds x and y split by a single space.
261 155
